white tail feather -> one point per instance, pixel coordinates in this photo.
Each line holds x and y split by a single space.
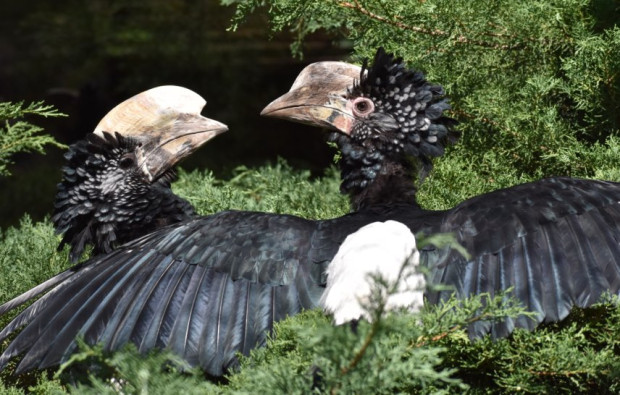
380 248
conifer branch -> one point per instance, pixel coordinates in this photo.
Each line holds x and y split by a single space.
360 353
568 373
485 120
17 135
461 39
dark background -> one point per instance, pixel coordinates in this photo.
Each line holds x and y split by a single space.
85 57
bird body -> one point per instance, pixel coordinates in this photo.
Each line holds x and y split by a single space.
116 182
554 242
213 286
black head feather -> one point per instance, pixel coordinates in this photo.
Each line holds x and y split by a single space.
105 200
405 130
415 106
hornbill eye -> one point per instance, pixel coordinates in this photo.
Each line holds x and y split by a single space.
127 161
363 106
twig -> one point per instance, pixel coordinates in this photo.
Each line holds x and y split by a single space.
472 116
567 373
355 5
423 341
360 353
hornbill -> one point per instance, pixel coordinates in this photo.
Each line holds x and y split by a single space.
554 242
116 183
209 287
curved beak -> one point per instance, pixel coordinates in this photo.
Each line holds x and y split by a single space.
318 97
167 124
174 141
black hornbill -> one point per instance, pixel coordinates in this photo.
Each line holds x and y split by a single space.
116 183
209 287
556 241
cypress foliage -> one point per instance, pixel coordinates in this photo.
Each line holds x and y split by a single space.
18 135
536 88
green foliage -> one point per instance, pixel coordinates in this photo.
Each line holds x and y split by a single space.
430 353
574 356
395 352
18 135
536 88
28 256
130 372
41 385
272 188
308 352
535 84
456 177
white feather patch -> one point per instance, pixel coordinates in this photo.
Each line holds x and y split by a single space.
380 248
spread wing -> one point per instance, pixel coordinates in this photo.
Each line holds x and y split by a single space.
205 289
209 287
555 242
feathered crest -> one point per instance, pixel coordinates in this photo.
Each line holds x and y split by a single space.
414 103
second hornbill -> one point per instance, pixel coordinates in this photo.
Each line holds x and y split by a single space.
116 183
209 287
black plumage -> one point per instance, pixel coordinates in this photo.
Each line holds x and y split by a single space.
116 182
105 200
211 286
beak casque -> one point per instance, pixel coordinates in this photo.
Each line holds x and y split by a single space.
318 97
167 124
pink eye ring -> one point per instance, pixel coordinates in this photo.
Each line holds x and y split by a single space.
363 106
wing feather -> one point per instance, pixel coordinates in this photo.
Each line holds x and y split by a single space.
181 334
156 307
51 333
210 287
555 241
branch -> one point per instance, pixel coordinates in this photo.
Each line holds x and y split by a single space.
564 373
362 350
360 353
461 39
424 340
484 120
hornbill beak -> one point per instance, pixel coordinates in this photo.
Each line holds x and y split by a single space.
166 123
318 97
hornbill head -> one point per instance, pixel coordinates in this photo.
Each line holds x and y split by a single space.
383 114
165 125
116 183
